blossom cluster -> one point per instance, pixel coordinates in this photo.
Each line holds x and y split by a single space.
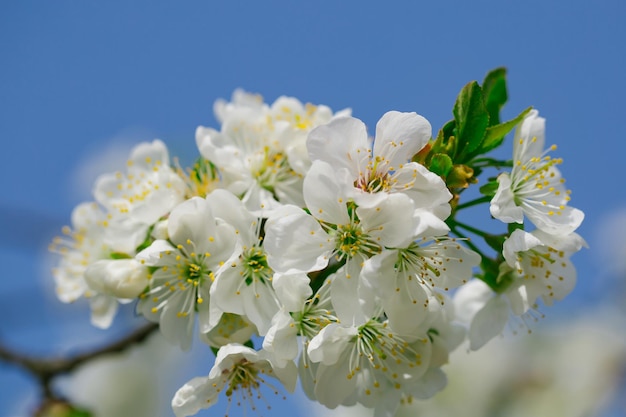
301 248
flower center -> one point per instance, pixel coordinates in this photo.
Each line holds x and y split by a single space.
383 352
376 177
351 240
255 267
243 376
272 168
201 179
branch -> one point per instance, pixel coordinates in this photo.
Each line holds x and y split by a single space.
45 369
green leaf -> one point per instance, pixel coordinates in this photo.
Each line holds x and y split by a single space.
514 226
495 134
471 118
489 189
441 164
494 90
495 242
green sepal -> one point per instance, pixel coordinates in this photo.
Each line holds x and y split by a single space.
489 189
506 277
432 332
445 141
471 118
496 242
514 226
490 268
147 241
495 134
494 91
119 255
249 344
441 164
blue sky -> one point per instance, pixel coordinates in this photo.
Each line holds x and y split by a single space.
78 77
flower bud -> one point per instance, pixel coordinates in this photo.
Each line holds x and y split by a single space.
160 230
121 278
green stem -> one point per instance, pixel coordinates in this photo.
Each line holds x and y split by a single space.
490 162
480 200
471 229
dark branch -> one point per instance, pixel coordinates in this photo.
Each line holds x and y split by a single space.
45 369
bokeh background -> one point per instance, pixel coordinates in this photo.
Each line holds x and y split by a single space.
81 82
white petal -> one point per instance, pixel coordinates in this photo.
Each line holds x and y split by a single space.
340 143
103 309
226 206
532 127
325 193
428 189
292 289
488 322
282 337
391 222
120 278
344 288
566 222
470 298
152 254
330 343
193 220
399 136
332 386
295 242
194 396
503 205
519 241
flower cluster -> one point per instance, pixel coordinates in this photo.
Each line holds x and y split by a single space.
299 247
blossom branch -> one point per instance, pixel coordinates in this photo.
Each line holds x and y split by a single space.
46 369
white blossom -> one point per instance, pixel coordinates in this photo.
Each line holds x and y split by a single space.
535 187
149 190
384 166
87 242
239 371
187 264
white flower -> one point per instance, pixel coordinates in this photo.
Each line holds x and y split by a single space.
299 242
537 266
534 188
307 320
260 151
403 277
252 163
231 328
238 371
384 167
120 278
542 262
370 358
87 242
246 286
485 311
188 263
148 191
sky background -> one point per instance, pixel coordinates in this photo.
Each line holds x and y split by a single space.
81 82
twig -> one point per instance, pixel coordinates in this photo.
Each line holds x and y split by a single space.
46 369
